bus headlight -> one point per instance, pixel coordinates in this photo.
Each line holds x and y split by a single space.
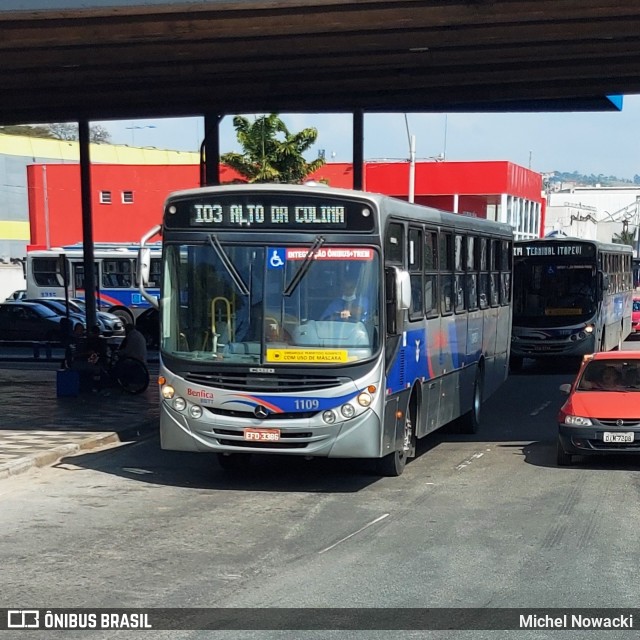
364 399
195 411
179 404
347 410
589 328
329 417
168 392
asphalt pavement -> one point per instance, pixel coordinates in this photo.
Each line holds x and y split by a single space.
37 428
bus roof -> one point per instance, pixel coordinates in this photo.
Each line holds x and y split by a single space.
606 246
401 208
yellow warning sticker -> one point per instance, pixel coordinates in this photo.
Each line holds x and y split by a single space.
307 355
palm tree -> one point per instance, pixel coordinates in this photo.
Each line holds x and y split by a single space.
271 153
625 237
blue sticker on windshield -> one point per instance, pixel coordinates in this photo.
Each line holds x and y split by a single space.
276 259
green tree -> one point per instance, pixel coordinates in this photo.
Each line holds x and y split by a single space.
57 131
271 153
625 237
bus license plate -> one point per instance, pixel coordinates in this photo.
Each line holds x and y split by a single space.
262 435
618 437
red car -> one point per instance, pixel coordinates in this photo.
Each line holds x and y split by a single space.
602 413
635 315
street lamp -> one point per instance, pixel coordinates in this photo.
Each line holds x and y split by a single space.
133 129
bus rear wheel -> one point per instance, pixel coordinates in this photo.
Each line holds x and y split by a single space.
469 423
393 464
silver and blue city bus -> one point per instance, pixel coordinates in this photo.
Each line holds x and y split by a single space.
571 297
252 359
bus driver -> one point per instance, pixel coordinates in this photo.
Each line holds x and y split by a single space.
351 306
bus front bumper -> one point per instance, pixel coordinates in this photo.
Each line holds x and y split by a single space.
359 437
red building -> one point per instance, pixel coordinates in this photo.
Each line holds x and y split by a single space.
127 200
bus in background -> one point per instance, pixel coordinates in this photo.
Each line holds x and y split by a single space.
253 357
115 266
571 297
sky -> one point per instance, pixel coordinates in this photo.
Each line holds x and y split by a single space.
606 143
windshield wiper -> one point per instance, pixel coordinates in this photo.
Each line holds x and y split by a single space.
228 265
304 267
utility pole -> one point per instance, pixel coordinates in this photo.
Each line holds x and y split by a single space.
412 162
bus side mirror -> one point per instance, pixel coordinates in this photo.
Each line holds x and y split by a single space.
403 286
397 297
604 281
144 265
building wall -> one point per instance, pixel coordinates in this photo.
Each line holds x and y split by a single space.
17 152
607 201
55 206
577 221
28 197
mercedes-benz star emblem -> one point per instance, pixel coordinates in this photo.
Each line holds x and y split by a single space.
260 412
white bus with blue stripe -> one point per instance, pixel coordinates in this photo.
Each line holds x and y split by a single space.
261 354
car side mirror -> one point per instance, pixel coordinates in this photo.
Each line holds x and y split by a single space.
565 388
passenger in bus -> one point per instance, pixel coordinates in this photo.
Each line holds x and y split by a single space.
351 305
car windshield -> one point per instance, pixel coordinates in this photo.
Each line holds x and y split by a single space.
610 375
251 304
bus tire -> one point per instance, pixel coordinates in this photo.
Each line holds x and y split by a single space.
563 459
124 314
234 461
393 464
469 422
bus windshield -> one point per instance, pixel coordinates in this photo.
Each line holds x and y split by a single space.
552 292
270 305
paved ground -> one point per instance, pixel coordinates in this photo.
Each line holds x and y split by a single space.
37 428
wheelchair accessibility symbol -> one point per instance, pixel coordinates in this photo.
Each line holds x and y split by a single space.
276 258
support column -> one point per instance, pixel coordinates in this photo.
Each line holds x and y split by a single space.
87 224
210 151
358 149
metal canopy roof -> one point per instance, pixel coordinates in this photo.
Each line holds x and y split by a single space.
177 59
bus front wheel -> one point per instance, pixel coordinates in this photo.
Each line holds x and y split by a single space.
393 464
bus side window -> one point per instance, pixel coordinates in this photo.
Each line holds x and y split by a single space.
415 273
431 274
483 278
446 272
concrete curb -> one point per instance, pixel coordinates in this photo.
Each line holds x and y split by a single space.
53 455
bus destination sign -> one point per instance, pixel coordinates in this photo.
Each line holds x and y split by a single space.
555 250
268 211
